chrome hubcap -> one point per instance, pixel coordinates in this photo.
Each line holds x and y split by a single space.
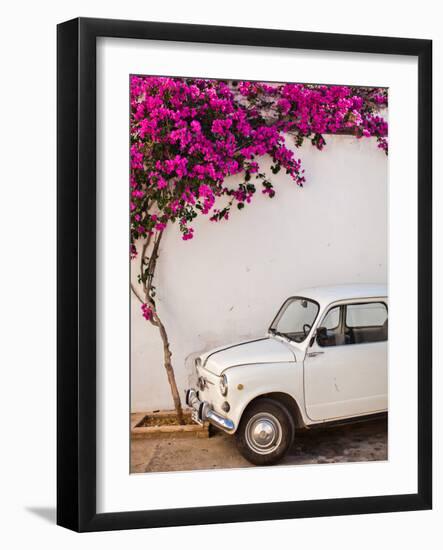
263 433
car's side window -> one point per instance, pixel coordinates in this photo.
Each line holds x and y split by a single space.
329 333
362 323
366 322
332 319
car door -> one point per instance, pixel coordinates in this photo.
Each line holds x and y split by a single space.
345 369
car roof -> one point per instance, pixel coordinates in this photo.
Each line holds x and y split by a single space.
333 293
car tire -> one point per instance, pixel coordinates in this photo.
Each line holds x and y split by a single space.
265 433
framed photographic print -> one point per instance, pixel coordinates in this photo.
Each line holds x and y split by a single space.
244 274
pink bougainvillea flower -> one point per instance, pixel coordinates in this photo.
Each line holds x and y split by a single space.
189 135
147 312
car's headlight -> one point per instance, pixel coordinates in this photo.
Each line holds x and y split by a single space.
224 385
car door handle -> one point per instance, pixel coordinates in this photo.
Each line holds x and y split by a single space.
315 353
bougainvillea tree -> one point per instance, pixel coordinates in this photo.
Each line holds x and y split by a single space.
189 135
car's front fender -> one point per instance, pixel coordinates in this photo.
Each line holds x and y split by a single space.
247 382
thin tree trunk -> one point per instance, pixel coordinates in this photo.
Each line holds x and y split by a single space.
167 355
156 321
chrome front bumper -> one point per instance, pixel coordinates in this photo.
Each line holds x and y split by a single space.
201 411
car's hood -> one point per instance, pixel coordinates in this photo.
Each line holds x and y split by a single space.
265 350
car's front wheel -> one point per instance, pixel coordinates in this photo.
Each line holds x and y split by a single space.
265 433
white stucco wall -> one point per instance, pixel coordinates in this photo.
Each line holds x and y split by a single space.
227 283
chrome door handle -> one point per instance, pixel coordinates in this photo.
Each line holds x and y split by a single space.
315 353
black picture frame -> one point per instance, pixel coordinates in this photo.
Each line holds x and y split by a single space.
76 281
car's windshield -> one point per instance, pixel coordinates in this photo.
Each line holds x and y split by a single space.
295 319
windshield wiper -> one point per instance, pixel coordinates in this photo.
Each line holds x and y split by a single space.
275 332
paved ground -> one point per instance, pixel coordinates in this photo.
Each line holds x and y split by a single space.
352 443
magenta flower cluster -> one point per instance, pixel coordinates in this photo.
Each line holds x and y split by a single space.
189 135
147 312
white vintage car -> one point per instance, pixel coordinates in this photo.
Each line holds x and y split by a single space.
324 360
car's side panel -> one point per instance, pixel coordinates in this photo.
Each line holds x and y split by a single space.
346 381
